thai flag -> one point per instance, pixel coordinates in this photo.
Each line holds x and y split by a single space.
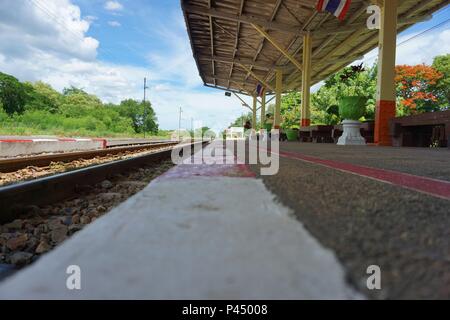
339 8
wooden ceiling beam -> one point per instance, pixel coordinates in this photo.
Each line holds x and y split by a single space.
305 27
225 89
278 46
213 12
236 42
261 44
258 65
257 77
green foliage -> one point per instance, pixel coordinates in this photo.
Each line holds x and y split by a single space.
290 119
350 81
36 108
141 115
290 110
291 102
203 132
42 96
240 122
12 94
442 88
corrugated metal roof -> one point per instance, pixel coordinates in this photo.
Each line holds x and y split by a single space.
225 45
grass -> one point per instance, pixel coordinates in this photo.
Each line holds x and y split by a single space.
44 123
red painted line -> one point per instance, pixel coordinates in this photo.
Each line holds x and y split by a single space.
184 171
16 141
434 187
209 169
245 171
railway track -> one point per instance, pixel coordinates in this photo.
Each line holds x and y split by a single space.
14 164
44 191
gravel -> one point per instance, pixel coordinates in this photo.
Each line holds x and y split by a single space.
32 172
41 229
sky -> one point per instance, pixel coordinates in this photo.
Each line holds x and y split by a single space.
108 47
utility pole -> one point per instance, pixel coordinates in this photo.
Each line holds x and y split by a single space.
145 108
179 124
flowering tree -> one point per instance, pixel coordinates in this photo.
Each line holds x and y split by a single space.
415 88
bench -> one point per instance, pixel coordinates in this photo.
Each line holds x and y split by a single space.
318 134
331 134
422 130
368 131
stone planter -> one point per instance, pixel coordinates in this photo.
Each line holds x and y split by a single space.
352 134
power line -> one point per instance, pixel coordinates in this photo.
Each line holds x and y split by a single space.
413 37
52 16
422 33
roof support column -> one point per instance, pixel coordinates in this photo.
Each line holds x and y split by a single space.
278 91
255 105
386 95
306 81
263 111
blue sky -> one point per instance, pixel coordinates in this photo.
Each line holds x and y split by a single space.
108 47
140 29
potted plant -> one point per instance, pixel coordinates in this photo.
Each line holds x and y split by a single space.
290 125
352 107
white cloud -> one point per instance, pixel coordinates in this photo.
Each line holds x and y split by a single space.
414 50
114 24
36 47
212 108
48 42
423 49
29 28
113 6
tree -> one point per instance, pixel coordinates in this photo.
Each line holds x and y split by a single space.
442 87
142 117
203 132
73 90
42 96
321 101
415 88
240 122
353 80
150 119
78 103
13 95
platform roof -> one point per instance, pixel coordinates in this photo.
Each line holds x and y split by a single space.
226 46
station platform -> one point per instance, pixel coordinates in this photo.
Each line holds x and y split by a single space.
27 146
374 205
224 231
17 146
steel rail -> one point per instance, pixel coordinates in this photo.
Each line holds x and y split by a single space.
14 164
58 187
